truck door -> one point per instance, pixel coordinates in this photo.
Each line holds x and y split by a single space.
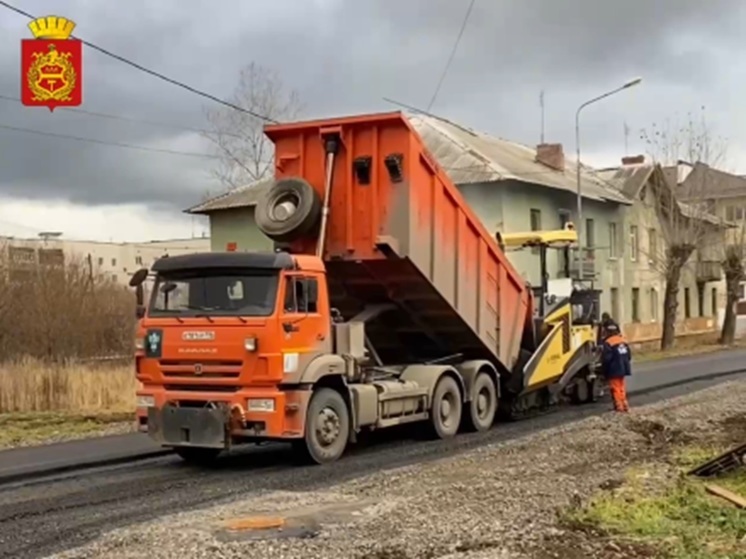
304 323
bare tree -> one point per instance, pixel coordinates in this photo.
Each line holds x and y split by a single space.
683 208
245 154
733 268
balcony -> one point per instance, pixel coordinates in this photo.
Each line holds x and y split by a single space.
588 266
709 270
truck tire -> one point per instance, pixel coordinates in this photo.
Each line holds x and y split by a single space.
288 210
197 456
445 409
327 428
483 404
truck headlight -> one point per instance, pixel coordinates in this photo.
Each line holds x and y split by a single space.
145 401
260 404
250 344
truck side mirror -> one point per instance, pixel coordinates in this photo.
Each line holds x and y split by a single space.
139 295
138 277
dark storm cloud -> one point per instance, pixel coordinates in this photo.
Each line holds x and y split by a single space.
344 56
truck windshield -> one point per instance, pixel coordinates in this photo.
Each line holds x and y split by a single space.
214 294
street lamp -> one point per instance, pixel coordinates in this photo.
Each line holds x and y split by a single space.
579 227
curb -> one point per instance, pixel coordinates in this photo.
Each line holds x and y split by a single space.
13 477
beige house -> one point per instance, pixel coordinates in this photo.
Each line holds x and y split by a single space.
641 270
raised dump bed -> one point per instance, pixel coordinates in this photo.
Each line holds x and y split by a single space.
400 232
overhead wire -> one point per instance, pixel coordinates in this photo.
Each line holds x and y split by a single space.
453 53
127 118
153 73
105 142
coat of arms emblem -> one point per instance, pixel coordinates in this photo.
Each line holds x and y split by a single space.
51 65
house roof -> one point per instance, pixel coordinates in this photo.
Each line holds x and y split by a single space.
705 182
475 157
467 157
242 197
629 180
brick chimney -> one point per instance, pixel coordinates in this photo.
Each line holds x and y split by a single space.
551 155
633 160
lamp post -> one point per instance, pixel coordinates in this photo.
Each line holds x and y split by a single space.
579 227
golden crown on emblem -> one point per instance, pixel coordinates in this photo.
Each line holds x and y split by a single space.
51 27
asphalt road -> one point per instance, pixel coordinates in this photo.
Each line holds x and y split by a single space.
69 509
63 456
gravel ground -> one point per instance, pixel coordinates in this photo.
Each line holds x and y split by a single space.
500 501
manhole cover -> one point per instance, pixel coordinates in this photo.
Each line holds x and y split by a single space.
255 523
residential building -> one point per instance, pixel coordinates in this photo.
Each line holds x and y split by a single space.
724 195
232 225
117 261
639 302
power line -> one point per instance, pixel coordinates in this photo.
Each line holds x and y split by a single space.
128 119
152 72
105 143
453 53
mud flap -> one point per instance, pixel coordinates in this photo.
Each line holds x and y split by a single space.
196 427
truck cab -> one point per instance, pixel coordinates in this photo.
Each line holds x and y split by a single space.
223 342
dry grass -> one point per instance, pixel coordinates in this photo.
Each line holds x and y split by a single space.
32 386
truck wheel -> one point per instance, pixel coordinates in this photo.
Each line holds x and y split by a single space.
445 410
197 456
483 404
327 428
290 209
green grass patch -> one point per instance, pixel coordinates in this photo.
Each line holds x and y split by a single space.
677 516
40 427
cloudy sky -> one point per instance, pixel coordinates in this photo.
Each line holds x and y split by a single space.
343 56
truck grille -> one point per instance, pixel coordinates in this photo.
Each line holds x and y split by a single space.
194 369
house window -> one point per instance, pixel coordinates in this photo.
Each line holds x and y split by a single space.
535 219
535 225
613 248
590 238
633 243
734 213
687 303
652 246
615 312
564 218
113 261
653 305
635 304
100 261
714 301
138 260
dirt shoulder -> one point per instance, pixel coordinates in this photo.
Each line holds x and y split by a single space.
507 500
38 428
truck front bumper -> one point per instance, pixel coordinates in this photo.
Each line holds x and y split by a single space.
215 420
184 426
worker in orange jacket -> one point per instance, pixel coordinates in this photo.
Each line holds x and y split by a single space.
616 364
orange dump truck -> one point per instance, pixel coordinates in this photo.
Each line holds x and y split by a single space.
386 302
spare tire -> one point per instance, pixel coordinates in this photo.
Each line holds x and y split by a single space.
289 210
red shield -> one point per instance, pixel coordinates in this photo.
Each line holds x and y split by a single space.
51 73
